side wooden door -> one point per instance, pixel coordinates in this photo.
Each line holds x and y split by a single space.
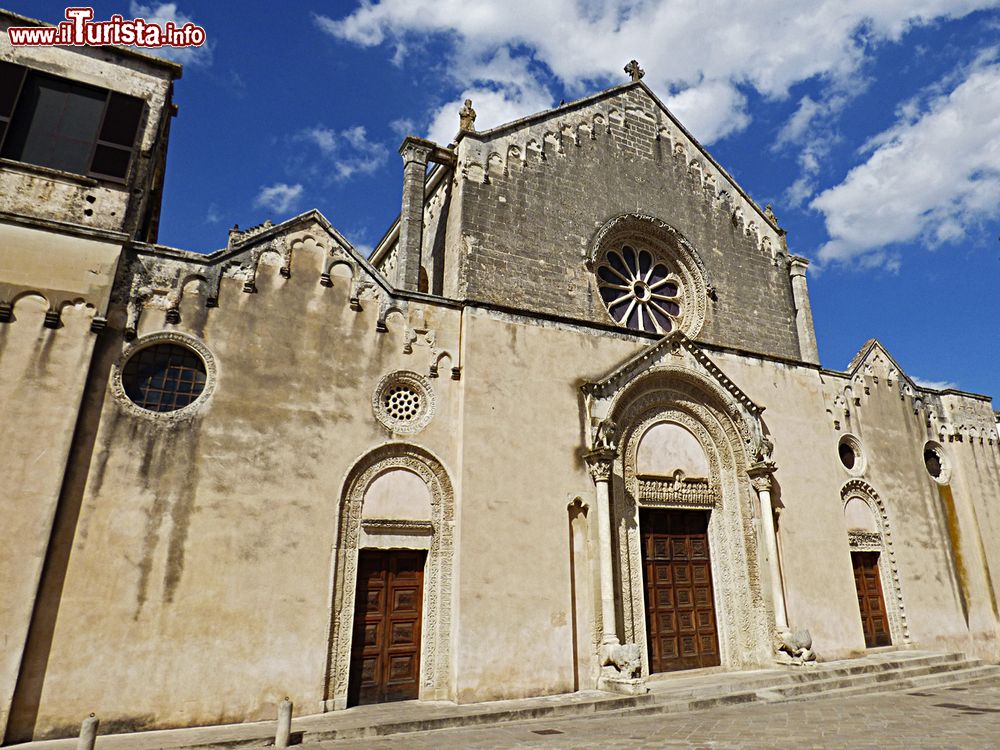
385 647
874 619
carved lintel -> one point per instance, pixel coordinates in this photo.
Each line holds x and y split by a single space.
98 324
6 312
599 463
397 526
762 475
52 319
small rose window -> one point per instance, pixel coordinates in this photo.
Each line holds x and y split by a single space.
639 291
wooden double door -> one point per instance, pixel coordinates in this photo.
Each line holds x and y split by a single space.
681 628
874 618
385 645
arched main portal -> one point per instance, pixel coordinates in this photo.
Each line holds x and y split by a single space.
396 498
680 410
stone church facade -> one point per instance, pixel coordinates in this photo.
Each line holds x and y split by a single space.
566 429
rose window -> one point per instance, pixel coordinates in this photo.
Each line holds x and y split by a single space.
401 402
639 291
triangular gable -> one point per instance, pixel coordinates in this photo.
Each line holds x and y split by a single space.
874 359
566 111
661 352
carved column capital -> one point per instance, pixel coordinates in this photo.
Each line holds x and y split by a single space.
599 463
762 475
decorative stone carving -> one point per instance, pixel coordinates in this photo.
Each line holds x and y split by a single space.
599 463
624 658
435 661
404 402
678 491
794 646
606 435
467 117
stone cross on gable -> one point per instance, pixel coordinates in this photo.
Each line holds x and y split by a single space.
634 71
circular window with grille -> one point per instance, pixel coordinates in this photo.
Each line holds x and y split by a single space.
164 375
403 402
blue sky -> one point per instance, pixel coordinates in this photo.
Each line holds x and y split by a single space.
873 127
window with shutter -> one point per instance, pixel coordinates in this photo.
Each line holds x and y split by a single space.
52 122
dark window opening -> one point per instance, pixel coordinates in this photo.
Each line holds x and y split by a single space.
933 463
56 123
847 456
164 377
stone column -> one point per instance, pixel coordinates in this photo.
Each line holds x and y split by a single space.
416 152
621 664
803 311
760 476
599 462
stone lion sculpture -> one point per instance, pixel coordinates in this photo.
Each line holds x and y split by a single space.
795 645
626 658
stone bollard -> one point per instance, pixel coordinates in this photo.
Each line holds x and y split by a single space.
88 733
281 737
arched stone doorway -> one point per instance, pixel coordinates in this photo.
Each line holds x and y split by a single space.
873 557
683 448
396 498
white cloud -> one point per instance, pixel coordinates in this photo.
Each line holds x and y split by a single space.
713 48
937 385
403 127
213 215
931 176
350 150
492 108
161 14
279 197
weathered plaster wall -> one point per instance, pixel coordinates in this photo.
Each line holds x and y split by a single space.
198 589
42 375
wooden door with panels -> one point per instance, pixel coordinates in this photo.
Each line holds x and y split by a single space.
385 646
681 628
874 618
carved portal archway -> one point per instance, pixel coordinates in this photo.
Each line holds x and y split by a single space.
435 652
687 398
879 540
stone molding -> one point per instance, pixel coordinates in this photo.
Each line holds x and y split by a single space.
165 337
435 651
882 542
397 526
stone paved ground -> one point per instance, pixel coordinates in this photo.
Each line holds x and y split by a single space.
957 717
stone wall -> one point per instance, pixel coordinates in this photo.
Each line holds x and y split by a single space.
534 195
